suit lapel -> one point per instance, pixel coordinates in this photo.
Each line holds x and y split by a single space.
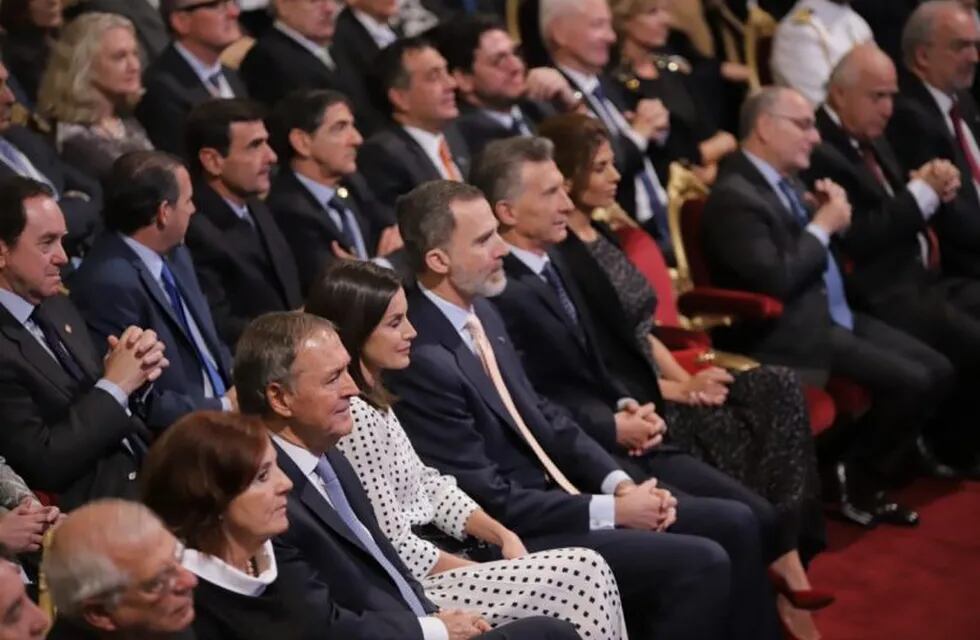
423 165
541 289
34 354
268 230
74 338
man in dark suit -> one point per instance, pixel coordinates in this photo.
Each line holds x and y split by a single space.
760 234
140 272
189 71
297 53
936 117
501 98
67 424
322 204
893 263
579 39
242 260
423 142
333 534
26 154
529 465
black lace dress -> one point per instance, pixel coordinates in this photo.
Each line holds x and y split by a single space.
760 436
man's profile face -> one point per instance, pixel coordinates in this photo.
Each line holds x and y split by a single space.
541 210
214 26
247 168
431 93
498 75
475 250
20 618
334 144
31 265
587 35
949 60
866 106
791 131
312 18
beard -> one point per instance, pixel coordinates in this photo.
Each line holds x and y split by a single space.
476 284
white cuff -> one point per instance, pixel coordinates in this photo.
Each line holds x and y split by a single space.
433 628
610 482
819 233
602 512
113 390
925 197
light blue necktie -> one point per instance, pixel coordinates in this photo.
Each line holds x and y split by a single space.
840 311
340 504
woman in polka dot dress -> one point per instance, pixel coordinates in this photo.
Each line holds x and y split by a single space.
368 305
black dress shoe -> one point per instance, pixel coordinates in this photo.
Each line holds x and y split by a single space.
888 512
847 506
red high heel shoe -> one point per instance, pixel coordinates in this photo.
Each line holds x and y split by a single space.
807 599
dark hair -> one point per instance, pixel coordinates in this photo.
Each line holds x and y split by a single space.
265 354
497 170
208 126
14 190
425 217
354 295
140 181
459 38
168 8
15 15
302 109
389 70
577 138
197 468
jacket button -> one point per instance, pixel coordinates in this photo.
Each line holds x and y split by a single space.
132 475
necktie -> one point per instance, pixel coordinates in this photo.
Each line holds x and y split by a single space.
485 353
452 172
346 232
518 126
872 164
555 282
840 311
338 500
216 86
57 347
177 302
960 129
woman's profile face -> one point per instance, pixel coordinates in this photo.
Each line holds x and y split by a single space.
116 68
259 512
649 25
603 178
389 344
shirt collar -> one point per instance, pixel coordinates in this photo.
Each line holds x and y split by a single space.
301 457
218 572
945 101
152 259
427 140
321 192
241 210
457 316
505 118
19 308
585 82
380 32
299 38
768 171
533 261
202 71
835 118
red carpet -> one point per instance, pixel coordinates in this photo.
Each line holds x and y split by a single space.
899 584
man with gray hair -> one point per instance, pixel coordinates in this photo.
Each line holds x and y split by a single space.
936 117
578 35
762 233
114 571
894 258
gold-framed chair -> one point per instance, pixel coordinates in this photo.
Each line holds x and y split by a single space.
234 53
682 185
43 593
760 29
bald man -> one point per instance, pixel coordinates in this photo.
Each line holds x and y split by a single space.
893 265
114 571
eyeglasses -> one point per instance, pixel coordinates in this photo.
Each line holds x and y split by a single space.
208 4
803 124
159 585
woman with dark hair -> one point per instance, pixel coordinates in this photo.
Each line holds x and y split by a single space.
212 478
368 305
752 425
29 30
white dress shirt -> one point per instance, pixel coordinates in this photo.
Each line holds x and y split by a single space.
221 574
320 52
380 32
430 145
205 72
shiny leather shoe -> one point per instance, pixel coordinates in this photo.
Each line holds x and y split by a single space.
848 507
807 599
888 512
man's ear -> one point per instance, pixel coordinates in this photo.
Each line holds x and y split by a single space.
464 81
506 214
437 261
180 22
398 100
211 161
301 142
162 216
277 396
97 616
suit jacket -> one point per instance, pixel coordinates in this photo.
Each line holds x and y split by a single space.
446 391
393 163
560 357
277 65
480 129
113 289
172 90
882 243
79 196
918 132
364 601
615 337
150 30
309 229
352 44
752 242
62 436
244 271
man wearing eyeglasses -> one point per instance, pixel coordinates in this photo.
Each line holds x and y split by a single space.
762 233
189 71
114 571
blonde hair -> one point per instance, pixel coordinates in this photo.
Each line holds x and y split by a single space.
625 10
67 93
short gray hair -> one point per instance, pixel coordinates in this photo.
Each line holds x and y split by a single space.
425 217
754 106
847 72
549 10
919 28
78 565
265 354
497 171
